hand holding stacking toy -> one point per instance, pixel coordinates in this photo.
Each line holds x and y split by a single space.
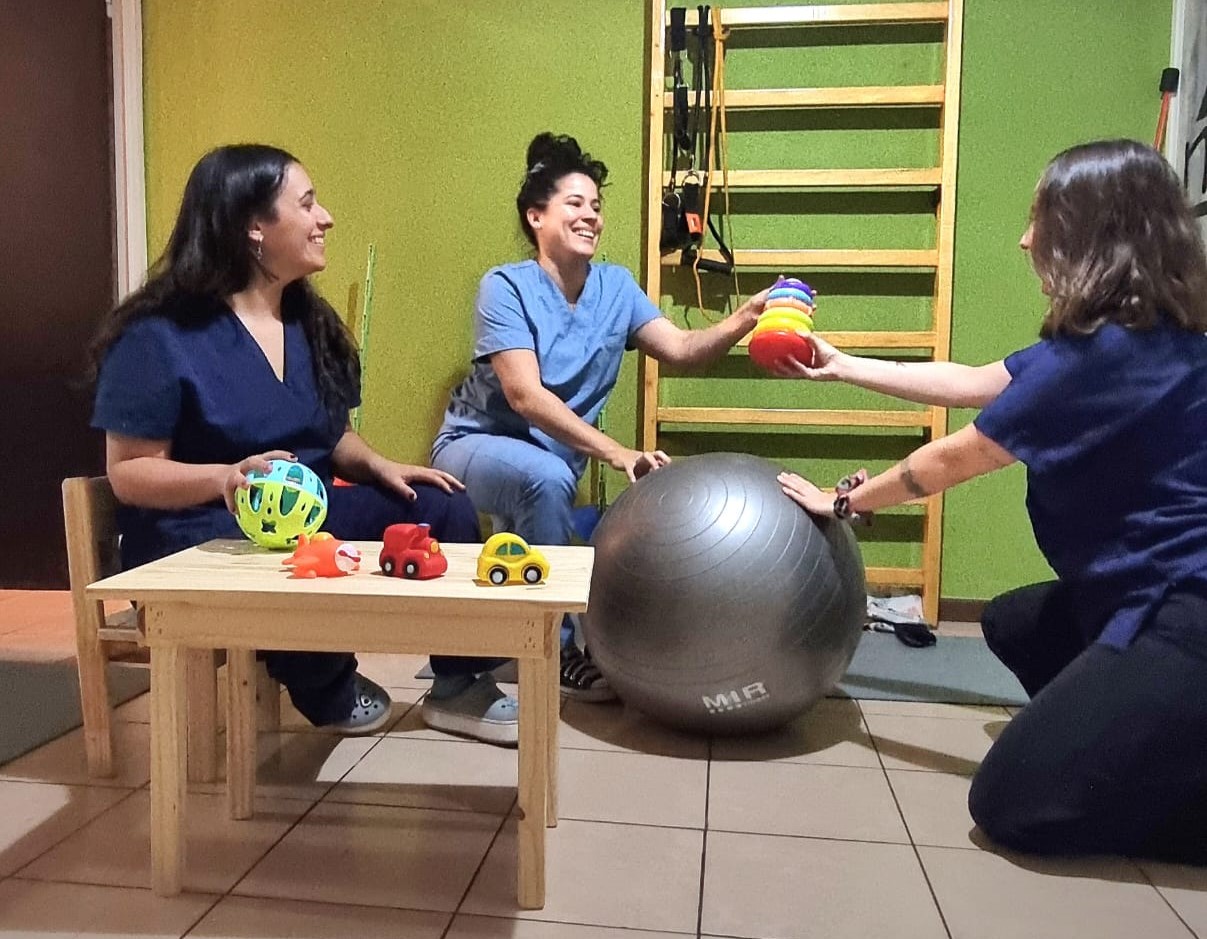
788 313
280 505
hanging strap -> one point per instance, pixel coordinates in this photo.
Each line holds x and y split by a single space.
678 40
718 149
700 86
704 43
723 152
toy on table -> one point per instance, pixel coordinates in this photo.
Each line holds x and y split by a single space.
788 313
508 559
279 506
323 556
409 550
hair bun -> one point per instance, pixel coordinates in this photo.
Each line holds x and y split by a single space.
548 150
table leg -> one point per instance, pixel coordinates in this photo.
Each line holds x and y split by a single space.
202 714
534 781
240 732
168 750
554 716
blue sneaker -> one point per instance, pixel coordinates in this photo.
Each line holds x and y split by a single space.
480 710
370 709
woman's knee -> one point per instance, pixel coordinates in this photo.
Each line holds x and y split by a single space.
550 485
995 813
461 520
1032 793
451 514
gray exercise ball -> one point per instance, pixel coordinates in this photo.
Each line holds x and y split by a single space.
717 604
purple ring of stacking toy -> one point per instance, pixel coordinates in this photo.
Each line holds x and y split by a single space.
796 294
798 284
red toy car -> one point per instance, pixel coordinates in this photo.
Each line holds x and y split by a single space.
410 551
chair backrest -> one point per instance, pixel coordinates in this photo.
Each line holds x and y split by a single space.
89 515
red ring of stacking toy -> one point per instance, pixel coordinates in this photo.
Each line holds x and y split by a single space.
772 346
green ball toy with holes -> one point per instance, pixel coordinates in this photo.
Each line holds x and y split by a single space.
278 506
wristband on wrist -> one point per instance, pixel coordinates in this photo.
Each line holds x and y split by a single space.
851 481
844 512
842 502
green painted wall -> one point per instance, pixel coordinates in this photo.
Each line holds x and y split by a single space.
412 117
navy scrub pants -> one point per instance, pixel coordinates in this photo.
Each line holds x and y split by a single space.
1110 755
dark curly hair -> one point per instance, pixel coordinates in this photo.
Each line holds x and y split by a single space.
1115 241
208 257
550 157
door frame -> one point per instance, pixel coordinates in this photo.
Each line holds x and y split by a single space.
129 164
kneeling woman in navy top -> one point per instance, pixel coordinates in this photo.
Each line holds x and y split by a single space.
227 358
1107 411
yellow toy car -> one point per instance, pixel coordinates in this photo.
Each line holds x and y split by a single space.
507 559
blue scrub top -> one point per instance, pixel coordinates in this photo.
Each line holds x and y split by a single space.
578 350
1111 428
191 373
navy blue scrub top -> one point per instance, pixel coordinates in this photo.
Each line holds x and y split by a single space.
1112 428
192 374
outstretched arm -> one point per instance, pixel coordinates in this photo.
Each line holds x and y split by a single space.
666 342
947 384
937 466
520 375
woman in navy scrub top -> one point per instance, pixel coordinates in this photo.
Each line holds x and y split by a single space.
227 358
1108 412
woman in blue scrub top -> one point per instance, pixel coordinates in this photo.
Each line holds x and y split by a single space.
549 337
227 358
1107 412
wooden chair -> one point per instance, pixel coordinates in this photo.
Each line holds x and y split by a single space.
89 509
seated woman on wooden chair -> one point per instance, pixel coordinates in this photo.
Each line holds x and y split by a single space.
227 358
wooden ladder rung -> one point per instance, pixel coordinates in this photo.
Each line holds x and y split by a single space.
869 96
792 417
830 15
870 340
895 576
783 260
922 178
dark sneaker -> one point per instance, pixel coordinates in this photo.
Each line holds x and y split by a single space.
481 711
581 678
370 709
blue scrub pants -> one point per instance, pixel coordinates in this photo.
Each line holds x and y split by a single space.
321 683
524 488
1110 755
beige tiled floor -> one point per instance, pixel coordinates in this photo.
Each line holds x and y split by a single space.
851 822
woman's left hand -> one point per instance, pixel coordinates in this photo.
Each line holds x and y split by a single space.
400 476
806 495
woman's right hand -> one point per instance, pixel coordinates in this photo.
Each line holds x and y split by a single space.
825 367
635 464
234 477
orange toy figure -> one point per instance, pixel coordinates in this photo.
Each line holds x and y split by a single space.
323 556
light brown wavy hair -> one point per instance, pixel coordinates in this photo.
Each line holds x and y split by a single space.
1115 241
